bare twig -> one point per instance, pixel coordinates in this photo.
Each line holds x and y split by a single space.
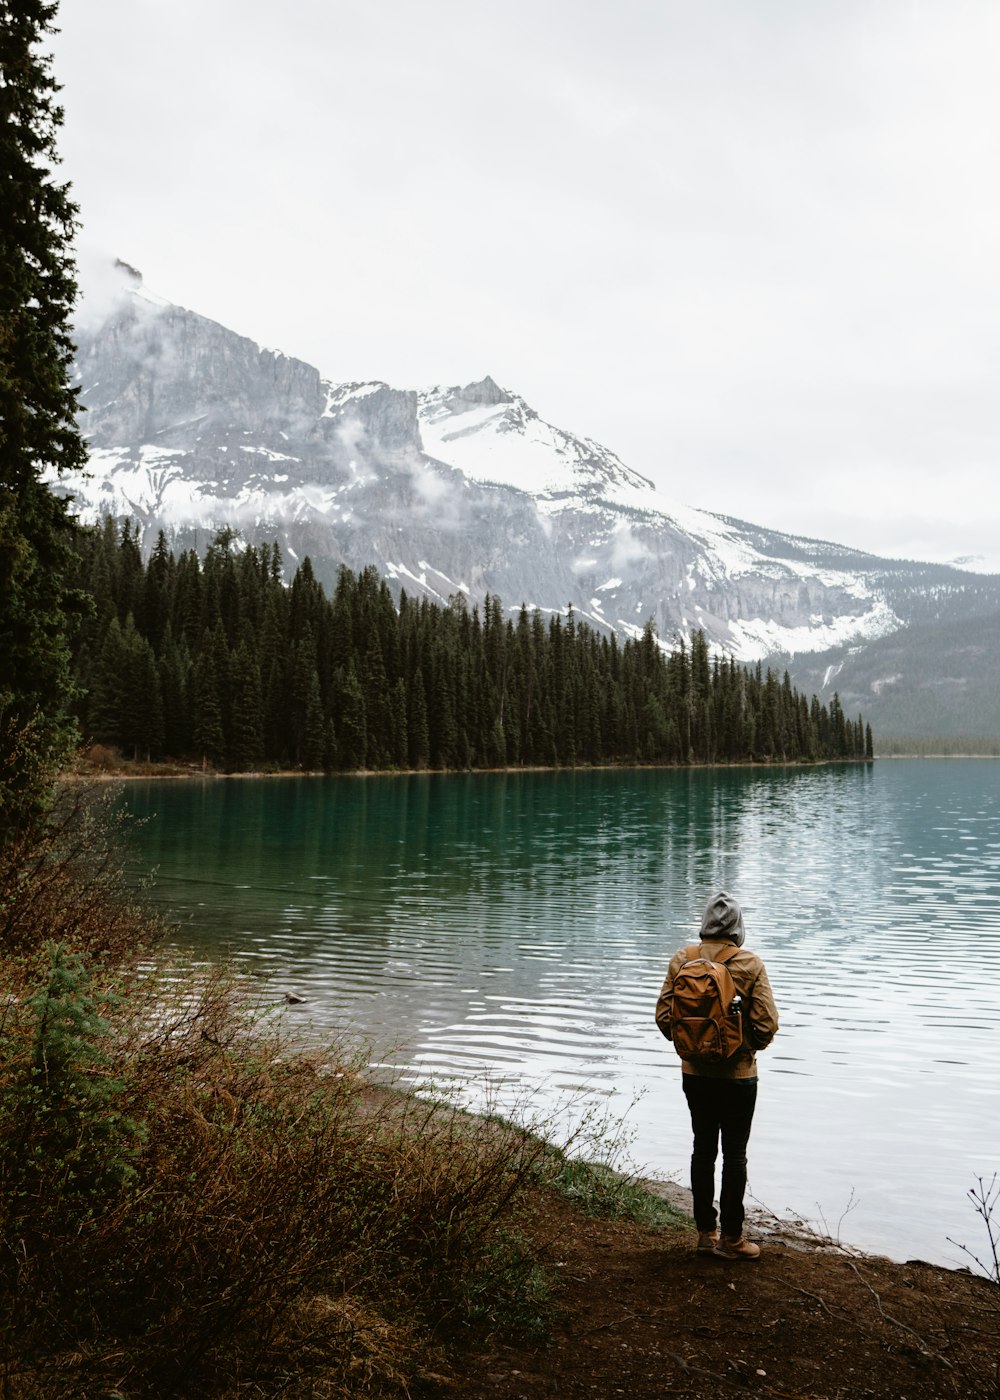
815 1296
606 1326
986 1200
690 1369
925 1348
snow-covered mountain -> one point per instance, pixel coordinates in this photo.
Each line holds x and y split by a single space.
192 427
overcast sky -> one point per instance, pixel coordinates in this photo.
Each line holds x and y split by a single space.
752 246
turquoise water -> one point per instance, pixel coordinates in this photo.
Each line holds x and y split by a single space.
518 926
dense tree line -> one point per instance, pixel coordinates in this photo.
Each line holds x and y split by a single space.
937 746
38 430
219 661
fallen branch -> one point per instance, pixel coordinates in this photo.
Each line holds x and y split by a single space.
925 1348
815 1296
605 1326
691 1370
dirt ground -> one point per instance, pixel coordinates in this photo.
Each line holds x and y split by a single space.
643 1315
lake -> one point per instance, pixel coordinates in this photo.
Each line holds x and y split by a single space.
516 927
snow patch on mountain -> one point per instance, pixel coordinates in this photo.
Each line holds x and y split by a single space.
755 638
494 437
429 580
155 486
126 485
339 395
268 453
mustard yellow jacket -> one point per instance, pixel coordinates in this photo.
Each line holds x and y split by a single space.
760 1015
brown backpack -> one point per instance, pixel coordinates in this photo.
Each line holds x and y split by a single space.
704 1023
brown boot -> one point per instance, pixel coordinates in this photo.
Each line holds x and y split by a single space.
740 1248
708 1241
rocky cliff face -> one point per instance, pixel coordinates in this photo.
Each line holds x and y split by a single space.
192 427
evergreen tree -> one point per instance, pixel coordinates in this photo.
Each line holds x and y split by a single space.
175 669
141 718
246 711
154 611
378 706
106 700
400 745
128 573
185 605
207 731
273 674
352 738
417 730
314 727
38 430
445 748
304 709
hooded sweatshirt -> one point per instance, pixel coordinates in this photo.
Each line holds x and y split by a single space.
723 920
722 927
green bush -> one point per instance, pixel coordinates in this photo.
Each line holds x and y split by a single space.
64 1136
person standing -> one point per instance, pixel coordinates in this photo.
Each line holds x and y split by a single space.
722 1094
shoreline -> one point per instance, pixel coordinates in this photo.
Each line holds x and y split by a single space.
167 771
157 772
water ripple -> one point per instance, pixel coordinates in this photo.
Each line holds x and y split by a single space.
518 926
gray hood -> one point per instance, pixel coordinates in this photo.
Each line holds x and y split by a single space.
723 919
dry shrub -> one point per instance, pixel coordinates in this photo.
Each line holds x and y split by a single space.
274 1224
62 880
187 1208
103 758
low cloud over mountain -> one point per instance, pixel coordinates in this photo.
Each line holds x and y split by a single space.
192 427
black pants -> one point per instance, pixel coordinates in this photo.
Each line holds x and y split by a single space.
720 1107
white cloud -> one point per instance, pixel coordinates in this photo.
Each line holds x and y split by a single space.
626 549
350 433
431 486
749 247
103 286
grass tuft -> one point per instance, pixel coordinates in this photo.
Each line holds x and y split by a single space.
602 1191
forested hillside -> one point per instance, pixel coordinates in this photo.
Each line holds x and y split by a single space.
218 661
941 679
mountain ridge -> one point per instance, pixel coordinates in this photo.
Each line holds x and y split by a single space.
455 489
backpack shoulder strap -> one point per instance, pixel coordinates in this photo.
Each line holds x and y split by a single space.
726 954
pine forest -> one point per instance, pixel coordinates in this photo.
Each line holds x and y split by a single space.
218 662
